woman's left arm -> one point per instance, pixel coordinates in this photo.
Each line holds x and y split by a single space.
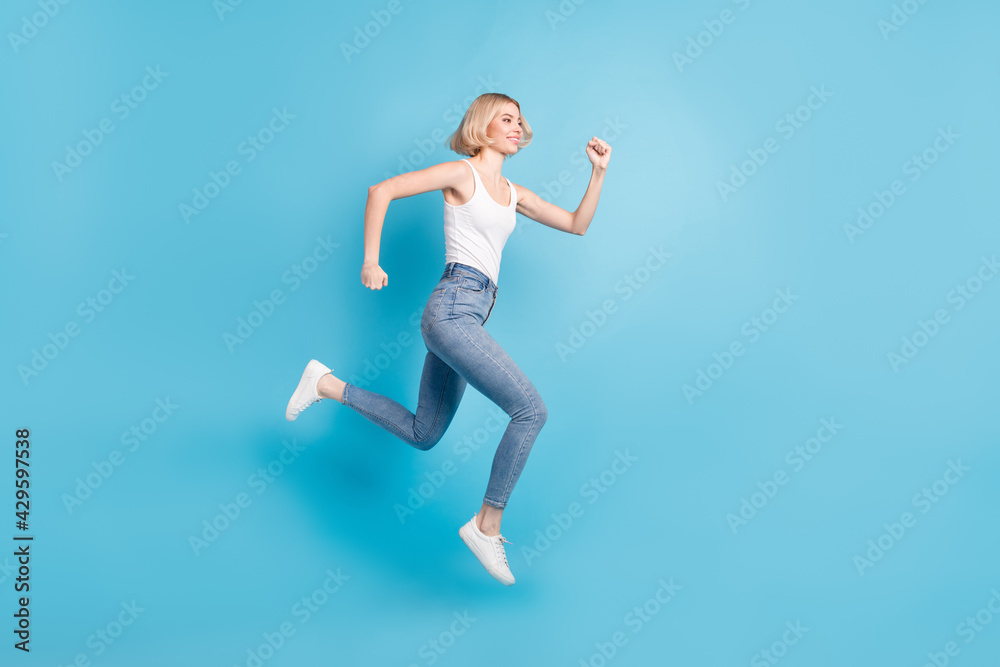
532 206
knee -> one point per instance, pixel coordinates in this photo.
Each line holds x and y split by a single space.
530 409
428 441
541 412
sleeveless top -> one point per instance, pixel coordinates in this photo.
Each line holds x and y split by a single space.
476 232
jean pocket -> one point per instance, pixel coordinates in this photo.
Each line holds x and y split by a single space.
430 313
472 284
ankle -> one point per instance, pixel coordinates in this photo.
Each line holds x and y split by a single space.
489 528
326 387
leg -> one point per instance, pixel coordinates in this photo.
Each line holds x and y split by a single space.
464 345
488 519
331 387
441 390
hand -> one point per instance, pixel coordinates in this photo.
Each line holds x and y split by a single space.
599 153
373 277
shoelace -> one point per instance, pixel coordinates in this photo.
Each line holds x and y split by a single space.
499 547
306 405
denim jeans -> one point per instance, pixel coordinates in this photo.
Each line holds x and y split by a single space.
460 352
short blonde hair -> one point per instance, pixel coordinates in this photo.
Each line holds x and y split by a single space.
470 136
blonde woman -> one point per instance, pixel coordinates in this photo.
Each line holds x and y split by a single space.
479 215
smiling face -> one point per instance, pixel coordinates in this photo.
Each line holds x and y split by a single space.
505 130
493 122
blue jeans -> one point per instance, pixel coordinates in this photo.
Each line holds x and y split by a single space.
460 352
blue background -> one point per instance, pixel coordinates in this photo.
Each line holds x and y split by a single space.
604 69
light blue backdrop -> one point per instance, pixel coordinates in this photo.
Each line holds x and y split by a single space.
772 432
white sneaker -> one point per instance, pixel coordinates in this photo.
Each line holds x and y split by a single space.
489 550
306 394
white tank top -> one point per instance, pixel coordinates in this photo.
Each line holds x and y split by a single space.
476 232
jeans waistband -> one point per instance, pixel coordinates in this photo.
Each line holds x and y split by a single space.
455 268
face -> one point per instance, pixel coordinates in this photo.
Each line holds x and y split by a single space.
506 129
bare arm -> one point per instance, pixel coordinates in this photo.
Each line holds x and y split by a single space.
532 206
438 177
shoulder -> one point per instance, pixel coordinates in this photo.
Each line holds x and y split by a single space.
515 190
450 174
454 173
458 168
522 192
528 203
459 184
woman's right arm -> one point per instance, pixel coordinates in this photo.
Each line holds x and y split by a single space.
438 177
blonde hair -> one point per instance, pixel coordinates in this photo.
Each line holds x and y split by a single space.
470 136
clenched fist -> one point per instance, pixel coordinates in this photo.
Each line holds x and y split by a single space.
373 277
599 153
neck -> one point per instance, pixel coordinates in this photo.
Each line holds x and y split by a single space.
489 163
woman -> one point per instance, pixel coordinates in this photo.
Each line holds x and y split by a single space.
479 215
